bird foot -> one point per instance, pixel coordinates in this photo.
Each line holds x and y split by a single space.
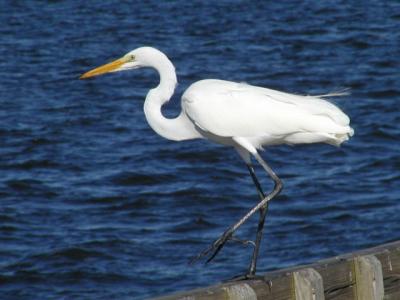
243 242
214 248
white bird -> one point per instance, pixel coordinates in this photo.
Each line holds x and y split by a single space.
240 115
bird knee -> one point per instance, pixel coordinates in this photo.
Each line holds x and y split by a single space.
278 186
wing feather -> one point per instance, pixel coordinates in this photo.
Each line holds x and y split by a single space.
230 109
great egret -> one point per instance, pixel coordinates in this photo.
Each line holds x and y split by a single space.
243 116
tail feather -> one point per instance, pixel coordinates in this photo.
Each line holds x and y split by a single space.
339 138
339 93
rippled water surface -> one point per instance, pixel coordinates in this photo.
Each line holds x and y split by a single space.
95 205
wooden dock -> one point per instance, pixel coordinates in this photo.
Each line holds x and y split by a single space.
370 274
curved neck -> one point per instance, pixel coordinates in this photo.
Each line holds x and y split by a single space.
179 128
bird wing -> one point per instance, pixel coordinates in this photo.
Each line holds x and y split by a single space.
230 109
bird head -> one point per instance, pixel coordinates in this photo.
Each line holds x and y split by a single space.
140 57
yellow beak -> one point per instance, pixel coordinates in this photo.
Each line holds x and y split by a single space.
104 68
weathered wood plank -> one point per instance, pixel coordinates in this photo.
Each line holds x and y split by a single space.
241 291
279 287
339 276
369 279
308 285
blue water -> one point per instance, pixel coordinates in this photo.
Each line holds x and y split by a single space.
95 205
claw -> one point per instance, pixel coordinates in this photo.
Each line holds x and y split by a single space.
243 242
214 248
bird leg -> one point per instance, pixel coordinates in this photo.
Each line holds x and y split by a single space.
220 242
260 227
263 209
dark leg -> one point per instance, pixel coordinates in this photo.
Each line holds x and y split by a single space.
220 242
260 227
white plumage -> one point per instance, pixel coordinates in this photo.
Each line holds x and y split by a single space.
236 114
263 116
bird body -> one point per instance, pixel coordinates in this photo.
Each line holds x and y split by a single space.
262 116
236 114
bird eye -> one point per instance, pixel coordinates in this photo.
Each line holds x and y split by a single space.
132 57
